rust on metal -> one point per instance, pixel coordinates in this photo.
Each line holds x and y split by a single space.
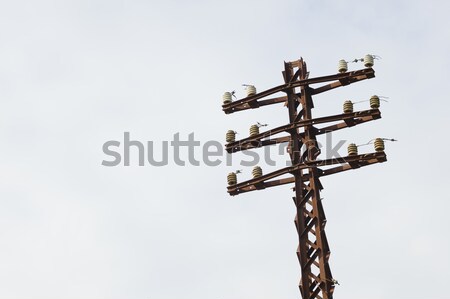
345 163
313 250
346 120
340 80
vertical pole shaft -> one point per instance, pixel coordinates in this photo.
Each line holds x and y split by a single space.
310 220
295 153
322 253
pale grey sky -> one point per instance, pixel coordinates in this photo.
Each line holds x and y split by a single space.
75 74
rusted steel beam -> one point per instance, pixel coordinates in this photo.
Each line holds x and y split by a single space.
313 209
343 82
255 141
257 104
312 258
344 79
256 144
266 181
315 293
299 187
353 122
308 228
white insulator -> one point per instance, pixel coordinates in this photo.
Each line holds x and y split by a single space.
227 98
342 66
379 145
254 130
251 90
368 60
352 149
374 102
348 107
232 178
257 172
230 136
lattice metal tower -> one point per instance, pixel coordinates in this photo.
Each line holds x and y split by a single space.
306 170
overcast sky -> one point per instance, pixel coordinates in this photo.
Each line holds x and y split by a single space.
76 74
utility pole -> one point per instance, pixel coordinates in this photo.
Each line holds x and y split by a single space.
306 170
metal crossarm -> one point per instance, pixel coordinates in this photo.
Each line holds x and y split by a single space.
345 120
271 179
252 102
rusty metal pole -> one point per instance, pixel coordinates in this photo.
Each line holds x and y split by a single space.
313 251
295 153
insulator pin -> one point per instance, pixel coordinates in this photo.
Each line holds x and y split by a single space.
348 107
368 60
257 172
230 136
254 130
227 98
342 66
352 149
379 145
251 90
232 178
374 102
